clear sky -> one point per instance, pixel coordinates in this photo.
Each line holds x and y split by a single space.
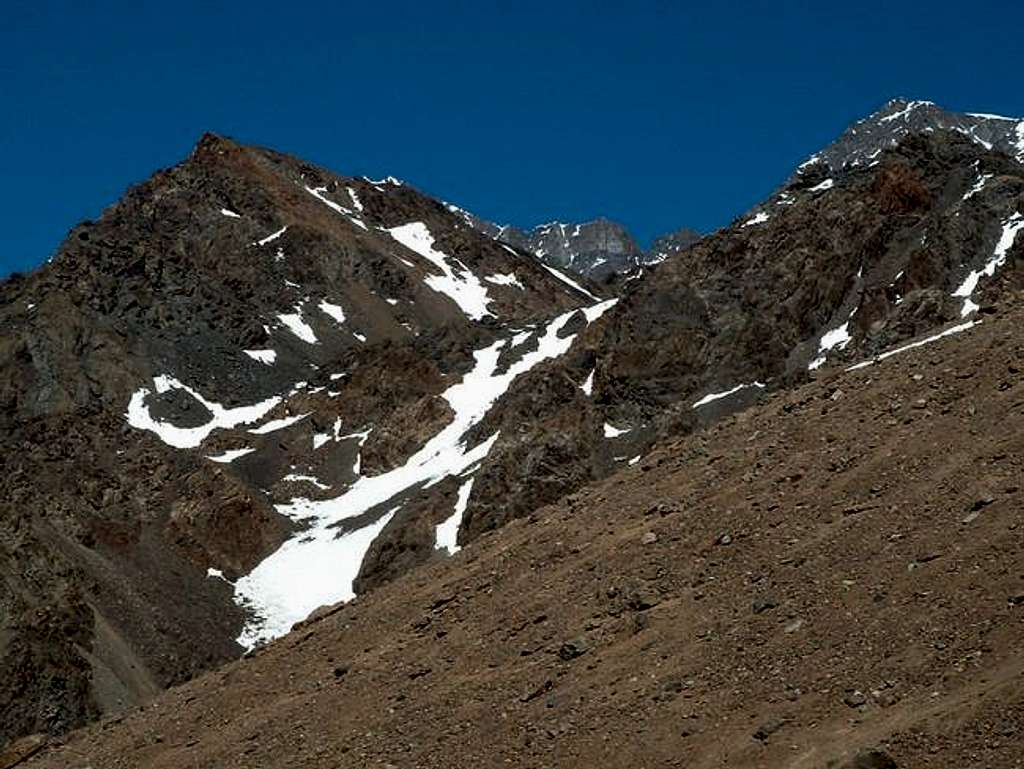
656 114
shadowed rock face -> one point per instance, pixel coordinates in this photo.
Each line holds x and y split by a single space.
377 367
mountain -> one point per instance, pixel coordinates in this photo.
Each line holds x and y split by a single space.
599 249
269 388
865 140
808 583
193 376
665 245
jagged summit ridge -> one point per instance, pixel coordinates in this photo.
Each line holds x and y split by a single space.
597 249
866 139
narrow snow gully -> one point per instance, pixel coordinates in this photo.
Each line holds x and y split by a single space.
318 565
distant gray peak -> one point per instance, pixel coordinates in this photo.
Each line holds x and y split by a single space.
866 139
595 249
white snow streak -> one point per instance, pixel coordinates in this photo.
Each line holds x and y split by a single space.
588 384
189 437
905 112
718 396
315 567
825 185
447 532
355 199
462 287
610 431
231 455
271 237
568 281
1012 226
760 218
919 343
297 478
230 214
278 424
978 185
318 193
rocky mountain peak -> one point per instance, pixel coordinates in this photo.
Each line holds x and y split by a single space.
866 139
268 387
669 244
597 249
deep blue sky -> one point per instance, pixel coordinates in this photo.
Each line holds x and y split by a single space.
658 115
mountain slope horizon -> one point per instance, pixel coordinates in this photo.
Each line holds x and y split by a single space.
271 388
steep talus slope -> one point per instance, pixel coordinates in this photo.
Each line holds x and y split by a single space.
230 337
806 584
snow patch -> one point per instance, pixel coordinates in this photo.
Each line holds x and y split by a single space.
333 310
230 214
462 287
506 279
263 356
610 431
138 415
760 218
295 324
825 185
837 337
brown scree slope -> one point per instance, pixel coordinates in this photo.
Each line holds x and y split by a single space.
835 571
